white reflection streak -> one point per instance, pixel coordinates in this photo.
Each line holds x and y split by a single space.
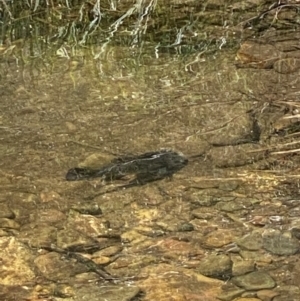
179 37
116 24
113 5
114 27
81 13
197 59
36 4
96 20
146 14
156 50
223 42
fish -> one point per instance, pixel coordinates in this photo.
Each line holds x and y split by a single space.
147 167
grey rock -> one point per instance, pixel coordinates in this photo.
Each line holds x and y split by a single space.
185 227
280 243
87 208
254 281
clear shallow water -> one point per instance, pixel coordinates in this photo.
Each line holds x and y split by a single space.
85 105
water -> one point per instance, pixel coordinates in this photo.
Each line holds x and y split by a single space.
83 92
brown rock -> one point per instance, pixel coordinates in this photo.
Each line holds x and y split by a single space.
241 267
247 299
267 295
165 282
55 267
219 238
47 216
15 261
38 235
9 223
69 238
87 224
49 196
216 266
175 248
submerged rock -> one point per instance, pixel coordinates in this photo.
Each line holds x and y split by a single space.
216 266
280 243
254 281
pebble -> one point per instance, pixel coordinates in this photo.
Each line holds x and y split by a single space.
216 266
252 241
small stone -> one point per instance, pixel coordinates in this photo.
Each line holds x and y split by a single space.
230 206
295 228
71 126
202 200
294 211
254 281
267 295
185 227
87 208
109 251
173 248
47 216
216 266
101 260
9 224
247 299
50 196
296 233
230 292
149 231
204 213
90 225
62 290
260 258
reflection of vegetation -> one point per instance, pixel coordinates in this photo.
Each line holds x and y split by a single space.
177 27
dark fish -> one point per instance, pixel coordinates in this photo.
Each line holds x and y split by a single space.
146 167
